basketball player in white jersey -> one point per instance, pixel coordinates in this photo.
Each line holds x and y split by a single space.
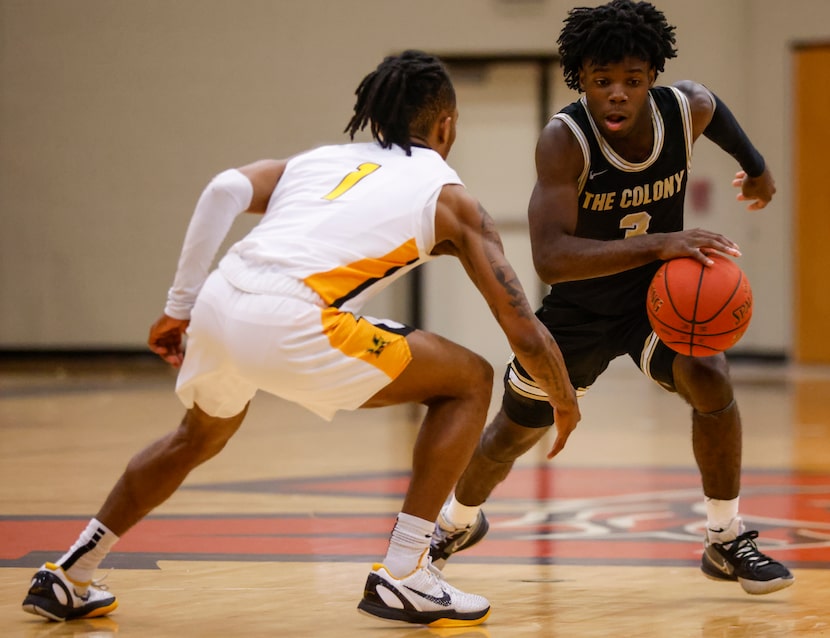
281 314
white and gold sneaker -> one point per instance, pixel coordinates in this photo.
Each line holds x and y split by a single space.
423 597
54 596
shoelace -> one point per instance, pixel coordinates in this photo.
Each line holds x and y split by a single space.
437 577
450 535
98 583
746 549
435 571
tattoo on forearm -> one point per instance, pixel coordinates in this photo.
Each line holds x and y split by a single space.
554 376
505 275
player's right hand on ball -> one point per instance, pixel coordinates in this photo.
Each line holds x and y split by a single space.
695 243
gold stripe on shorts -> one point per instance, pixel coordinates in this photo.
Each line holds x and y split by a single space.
361 339
523 385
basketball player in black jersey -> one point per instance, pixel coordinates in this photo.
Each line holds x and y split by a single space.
606 211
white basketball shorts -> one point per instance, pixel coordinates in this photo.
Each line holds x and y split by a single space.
285 344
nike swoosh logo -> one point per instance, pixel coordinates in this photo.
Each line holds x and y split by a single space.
444 601
593 174
720 562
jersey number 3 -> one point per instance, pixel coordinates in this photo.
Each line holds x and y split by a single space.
635 224
367 168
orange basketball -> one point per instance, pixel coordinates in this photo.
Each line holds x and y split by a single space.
699 310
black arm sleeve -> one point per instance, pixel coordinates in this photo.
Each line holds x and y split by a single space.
725 131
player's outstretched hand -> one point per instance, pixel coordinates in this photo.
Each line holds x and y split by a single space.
166 339
565 423
758 191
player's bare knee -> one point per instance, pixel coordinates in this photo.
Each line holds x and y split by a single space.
201 436
504 441
704 382
495 451
478 378
486 373
492 462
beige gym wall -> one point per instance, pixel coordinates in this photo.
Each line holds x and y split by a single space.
113 116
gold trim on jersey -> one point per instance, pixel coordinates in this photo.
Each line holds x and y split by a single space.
343 282
616 160
361 339
579 134
686 115
611 155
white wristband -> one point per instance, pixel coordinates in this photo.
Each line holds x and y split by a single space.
226 196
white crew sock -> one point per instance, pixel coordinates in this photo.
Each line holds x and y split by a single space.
458 515
720 516
410 539
83 558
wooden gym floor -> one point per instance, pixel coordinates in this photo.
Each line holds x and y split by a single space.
276 535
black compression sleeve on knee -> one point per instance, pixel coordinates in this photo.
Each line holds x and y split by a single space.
725 131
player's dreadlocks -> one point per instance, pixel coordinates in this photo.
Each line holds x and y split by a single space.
401 98
611 32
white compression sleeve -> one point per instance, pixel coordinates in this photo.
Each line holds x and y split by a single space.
226 196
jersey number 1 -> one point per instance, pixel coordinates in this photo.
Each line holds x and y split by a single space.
367 168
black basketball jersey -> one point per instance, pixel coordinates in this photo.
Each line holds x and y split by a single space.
619 199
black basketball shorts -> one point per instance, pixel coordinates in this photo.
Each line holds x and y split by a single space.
589 342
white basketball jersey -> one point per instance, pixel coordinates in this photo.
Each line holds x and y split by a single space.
346 220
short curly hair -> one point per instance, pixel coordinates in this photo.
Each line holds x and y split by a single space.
614 31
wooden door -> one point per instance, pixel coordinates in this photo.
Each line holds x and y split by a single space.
811 247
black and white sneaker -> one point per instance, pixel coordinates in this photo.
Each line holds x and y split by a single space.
447 540
422 597
52 595
741 560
